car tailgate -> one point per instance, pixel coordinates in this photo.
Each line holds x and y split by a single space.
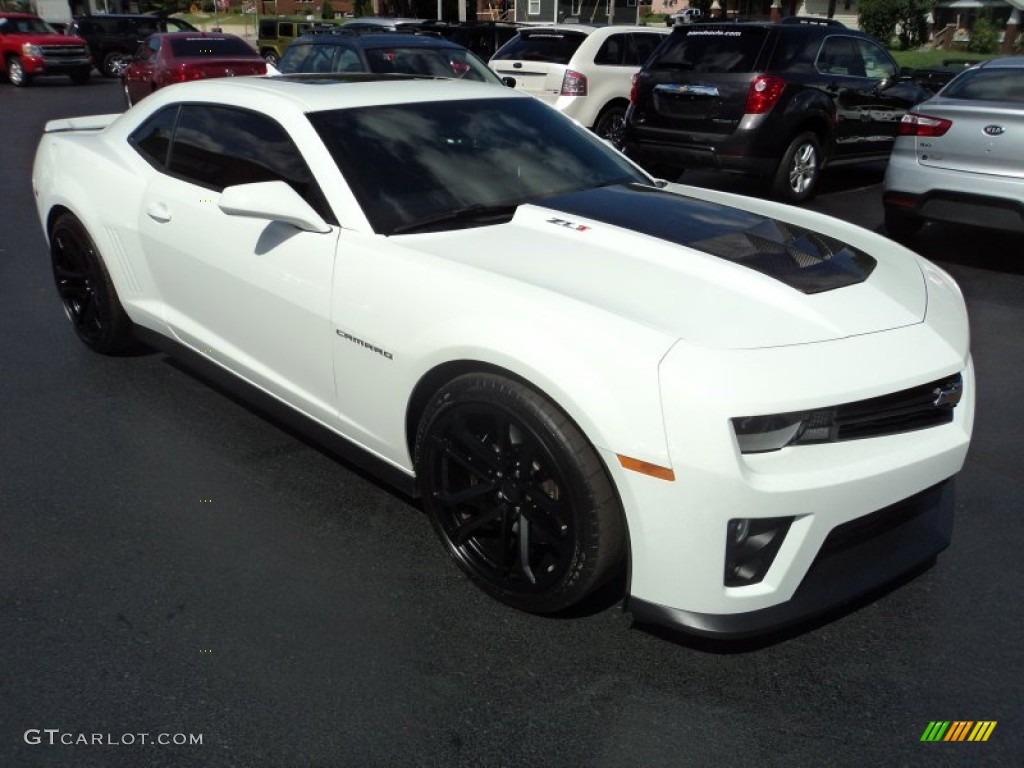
537 59
708 103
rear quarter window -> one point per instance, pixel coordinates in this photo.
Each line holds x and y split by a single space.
553 47
706 48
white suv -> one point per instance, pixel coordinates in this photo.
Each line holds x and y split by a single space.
583 71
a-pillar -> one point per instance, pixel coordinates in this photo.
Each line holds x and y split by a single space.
1011 31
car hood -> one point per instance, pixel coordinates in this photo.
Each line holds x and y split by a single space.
713 274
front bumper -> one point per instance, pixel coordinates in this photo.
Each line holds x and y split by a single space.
678 530
856 559
48 65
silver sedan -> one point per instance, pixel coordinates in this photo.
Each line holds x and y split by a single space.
959 157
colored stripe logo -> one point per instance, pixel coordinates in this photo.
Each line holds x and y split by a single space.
958 730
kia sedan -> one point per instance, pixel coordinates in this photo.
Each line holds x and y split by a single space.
959 156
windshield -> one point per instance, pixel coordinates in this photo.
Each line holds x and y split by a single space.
553 46
188 47
988 84
707 48
21 26
414 162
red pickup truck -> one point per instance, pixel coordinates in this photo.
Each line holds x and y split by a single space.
30 47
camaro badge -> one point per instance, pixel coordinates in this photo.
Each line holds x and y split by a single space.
365 344
948 394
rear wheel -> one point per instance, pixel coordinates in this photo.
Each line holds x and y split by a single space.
798 173
611 123
517 495
901 225
270 56
89 299
16 72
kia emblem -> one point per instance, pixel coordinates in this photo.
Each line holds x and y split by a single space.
994 130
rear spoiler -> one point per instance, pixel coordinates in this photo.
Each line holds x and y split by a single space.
90 123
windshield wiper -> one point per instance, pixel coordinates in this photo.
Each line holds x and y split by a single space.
471 215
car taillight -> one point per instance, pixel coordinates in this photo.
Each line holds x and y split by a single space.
182 73
922 125
632 88
763 93
574 84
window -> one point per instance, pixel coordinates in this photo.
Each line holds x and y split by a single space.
217 147
645 44
839 56
877 63
152 139
534 8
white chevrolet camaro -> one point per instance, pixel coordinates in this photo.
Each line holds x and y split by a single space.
752 410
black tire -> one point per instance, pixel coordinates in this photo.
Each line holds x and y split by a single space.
611 123
83 284
114 63
901 225
517 495
798 173
270 56
81 76
16 72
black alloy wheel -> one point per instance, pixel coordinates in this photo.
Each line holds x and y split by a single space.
611 124
517 494
89 299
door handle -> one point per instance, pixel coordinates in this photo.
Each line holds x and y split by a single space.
158 212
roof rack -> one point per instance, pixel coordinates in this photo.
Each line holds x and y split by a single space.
821 21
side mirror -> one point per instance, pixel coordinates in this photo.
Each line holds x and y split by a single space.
272 201
509 81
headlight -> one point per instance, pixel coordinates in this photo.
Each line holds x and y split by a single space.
28 49
921 407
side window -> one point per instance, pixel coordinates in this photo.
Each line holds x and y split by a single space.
612 52
877 63
152 139
285 29
217 147
645 45
153 46
839 56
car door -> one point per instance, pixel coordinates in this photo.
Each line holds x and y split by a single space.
867 114
251 294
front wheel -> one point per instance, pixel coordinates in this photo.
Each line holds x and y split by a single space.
89 299
517 494
270 56
611 123
798 173
16 72
114 64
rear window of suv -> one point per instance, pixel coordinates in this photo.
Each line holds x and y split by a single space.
551 46
706 48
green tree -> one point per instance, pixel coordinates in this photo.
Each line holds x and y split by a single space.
984 36
906 19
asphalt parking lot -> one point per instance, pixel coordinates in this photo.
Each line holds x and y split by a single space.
175 564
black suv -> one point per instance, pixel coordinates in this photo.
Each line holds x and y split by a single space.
778 100
114 37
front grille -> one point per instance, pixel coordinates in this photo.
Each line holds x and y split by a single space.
62 52
928 405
